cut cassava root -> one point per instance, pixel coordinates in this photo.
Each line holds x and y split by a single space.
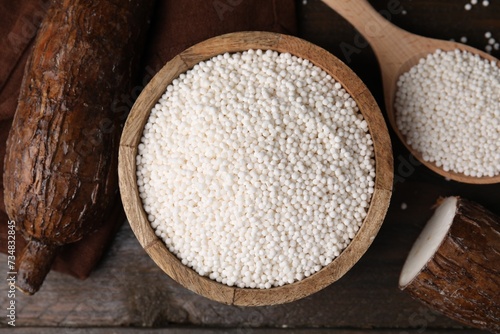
60 172
454 266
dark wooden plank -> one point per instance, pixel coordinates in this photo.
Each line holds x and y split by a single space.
127 289
242 330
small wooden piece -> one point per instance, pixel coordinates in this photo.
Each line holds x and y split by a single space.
397 52
462 278
155 247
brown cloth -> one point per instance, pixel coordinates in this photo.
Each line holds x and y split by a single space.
176 25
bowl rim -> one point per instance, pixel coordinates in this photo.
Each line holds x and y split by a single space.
156 248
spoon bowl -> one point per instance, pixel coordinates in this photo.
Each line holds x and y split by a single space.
397 51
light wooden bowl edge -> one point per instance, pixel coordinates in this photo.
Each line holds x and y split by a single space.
159 252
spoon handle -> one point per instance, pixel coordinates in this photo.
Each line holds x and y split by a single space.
384 37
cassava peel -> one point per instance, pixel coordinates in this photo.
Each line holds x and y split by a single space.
60 173
454 266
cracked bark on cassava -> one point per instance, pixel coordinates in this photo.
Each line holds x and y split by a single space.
61 163
462 279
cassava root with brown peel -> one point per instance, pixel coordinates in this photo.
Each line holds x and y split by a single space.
454 266
60 173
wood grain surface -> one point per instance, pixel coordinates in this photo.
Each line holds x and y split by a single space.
128 289
229 330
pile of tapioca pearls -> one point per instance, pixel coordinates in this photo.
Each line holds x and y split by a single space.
256 168
448 108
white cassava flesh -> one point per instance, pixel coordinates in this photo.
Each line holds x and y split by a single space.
429 240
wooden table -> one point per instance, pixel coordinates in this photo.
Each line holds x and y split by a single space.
128 293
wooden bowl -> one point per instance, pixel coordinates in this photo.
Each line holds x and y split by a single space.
156 248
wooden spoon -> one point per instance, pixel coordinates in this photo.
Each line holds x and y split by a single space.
397 51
